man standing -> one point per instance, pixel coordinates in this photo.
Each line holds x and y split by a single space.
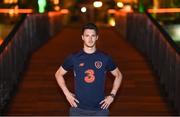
89 66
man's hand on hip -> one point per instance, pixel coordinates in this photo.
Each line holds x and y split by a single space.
106 102
71 99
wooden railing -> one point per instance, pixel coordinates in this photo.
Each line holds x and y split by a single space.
164 55
28 35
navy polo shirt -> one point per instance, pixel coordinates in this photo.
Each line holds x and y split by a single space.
89 72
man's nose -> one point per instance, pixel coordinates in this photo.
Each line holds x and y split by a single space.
91 37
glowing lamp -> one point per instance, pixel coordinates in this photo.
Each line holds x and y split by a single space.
42 5
127 8
120 4
83 9
97 4
64 11
1 41
56 8
56 2
112 22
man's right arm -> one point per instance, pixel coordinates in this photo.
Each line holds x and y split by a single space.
61 82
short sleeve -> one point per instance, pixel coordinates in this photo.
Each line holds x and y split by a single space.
68 63
110 66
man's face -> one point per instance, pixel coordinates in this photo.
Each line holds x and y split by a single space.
89 37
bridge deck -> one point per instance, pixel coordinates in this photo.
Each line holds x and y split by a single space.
39 94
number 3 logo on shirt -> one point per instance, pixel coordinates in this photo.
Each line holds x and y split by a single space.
89 78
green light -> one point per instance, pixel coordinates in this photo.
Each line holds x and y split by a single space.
42 5
141 7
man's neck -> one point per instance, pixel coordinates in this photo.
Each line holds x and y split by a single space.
89 50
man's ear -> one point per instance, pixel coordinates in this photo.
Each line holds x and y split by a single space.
97 37
82 37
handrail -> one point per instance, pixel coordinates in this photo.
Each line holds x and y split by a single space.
168 37
12 33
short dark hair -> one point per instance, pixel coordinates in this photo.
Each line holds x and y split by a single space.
90 26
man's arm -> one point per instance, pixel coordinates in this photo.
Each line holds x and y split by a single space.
117 81
61 82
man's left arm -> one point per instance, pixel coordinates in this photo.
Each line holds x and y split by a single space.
117 82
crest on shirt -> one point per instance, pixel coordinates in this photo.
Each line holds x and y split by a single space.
81 64
98 64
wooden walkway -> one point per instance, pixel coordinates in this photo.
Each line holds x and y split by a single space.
39 94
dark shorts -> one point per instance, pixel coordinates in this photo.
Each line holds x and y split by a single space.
81 112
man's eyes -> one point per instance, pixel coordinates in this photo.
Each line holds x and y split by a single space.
91 36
